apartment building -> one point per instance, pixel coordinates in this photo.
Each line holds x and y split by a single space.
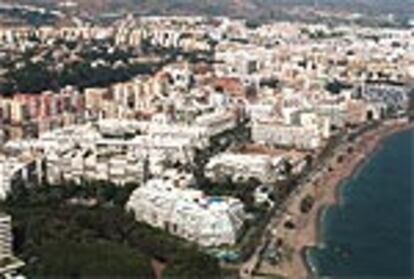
294 136
82 165
6 249
187 213
216 122
19 169
9 264
241 167
28 115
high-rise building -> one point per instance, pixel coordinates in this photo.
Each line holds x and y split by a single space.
6 250
8 263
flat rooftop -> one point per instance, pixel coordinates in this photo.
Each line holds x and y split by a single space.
261 149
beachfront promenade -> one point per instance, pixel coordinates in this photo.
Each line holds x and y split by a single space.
268 236
350 150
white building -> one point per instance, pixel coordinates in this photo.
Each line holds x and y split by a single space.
277 134
197 134
77 165
263 167
216 122
180 75
15 169
8 263
260 111
6 249
240 60
187 213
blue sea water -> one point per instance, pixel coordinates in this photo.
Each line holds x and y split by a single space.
370 234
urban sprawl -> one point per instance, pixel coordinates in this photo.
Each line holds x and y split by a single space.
216 122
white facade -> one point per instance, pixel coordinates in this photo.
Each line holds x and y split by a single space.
6 249
78 165
271 133
187 213
238 61
13 169
216 122
265 168
8 263
260 111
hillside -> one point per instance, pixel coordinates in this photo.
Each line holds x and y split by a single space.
245 8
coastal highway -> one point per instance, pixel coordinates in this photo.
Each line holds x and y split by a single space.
340 146
247 269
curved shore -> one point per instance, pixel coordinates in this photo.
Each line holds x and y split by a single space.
327 192
355 165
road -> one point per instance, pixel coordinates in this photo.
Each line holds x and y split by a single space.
248 267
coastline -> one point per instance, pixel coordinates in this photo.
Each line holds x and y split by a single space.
327 192
378 136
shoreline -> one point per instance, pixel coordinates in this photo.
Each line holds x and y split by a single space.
379 138
326 189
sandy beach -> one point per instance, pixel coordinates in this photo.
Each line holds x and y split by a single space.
325 187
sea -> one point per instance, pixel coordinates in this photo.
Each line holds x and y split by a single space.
370 233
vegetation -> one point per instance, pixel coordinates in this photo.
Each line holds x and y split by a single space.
273 83
306 204
102 192
28 17
38 77
178 54
243 190
105 260
411 104
335 86
86 64
59 238
320 34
